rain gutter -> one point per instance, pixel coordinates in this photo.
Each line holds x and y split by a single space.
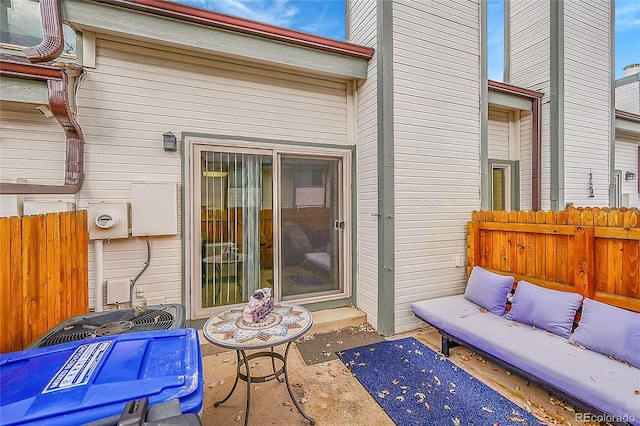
57 78
536 135
57 84
209 18
627 115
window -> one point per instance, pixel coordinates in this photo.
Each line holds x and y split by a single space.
21 26
505 185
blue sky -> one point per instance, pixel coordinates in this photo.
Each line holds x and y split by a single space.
327 18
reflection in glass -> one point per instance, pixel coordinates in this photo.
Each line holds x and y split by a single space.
21 26
236 210
310 241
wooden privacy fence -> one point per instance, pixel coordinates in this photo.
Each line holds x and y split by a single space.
591 251
43 274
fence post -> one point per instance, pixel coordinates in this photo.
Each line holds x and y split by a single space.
584 256
473 245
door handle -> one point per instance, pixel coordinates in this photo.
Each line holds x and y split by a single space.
338 224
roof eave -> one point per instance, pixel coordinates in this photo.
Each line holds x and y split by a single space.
196 30
209 18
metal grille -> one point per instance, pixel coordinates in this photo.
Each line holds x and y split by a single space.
162 317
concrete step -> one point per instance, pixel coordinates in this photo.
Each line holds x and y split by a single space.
337 319
323 322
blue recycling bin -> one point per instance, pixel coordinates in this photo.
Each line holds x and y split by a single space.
87 380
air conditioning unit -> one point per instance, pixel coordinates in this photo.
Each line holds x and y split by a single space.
115 321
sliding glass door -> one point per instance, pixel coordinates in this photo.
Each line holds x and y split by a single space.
266 217
311 224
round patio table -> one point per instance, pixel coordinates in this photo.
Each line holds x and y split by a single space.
283 325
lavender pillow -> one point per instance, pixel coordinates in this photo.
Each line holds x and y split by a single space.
488 290
551 310
609 330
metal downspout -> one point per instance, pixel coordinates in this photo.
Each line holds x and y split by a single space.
536 145
59 105
57 79
52 44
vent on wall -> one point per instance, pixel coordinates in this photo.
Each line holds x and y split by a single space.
116 321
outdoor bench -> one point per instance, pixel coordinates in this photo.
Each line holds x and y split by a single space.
535 342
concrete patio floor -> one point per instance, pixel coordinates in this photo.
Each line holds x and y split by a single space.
332 396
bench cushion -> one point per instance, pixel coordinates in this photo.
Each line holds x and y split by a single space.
488 289
604 383
552 310
609 330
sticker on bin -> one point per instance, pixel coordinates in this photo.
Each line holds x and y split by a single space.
79 367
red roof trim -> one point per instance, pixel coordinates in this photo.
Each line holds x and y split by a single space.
30 71
514 90
209 18
627 115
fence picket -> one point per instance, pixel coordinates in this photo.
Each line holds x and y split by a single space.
550 249
43 261
562 249
597 255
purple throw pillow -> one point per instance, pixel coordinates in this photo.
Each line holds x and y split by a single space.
488 290
551 310
609 330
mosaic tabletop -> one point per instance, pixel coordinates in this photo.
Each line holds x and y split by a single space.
283 324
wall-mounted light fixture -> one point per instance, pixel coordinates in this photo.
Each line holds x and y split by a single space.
169 142
629 176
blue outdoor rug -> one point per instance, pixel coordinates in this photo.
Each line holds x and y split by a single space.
417 386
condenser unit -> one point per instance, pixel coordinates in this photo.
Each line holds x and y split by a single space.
115 321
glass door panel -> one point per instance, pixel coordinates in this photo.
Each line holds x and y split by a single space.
268 216
311 225
236 226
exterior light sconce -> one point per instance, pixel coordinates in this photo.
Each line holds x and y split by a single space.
629 176
169 142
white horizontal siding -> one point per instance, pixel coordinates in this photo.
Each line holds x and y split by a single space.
628 97
32 147
437 146
363 19
133 96
587 106
530 68
498 148
627 161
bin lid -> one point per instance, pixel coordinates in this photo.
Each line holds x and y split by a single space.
86 380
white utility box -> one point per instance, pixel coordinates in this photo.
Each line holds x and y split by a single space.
154 209
11 205
118 291
30 208
108 221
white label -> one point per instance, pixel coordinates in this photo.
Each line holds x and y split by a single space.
79 367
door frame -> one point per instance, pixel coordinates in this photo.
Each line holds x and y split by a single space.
191 254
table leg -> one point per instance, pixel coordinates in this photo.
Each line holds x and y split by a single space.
248 368
280 377
234 383
286 381
243 359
